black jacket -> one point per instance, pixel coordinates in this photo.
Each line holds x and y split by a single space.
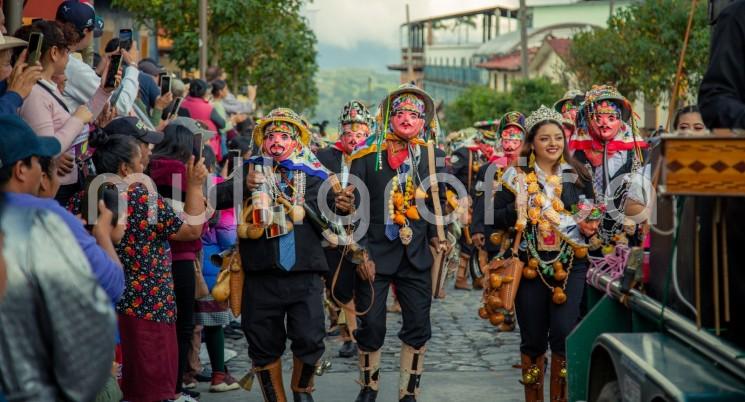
387 254
262 255
331 158
721 96
480 192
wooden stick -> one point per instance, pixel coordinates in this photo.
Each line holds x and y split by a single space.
725 269
715 264
697 274
679 72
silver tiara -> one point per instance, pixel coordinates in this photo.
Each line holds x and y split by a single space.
543 114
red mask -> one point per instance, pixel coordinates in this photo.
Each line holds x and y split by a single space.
511 148
605 126
353 135
407 125
279 145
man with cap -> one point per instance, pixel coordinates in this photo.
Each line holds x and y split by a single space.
397 243
354 127
130 125
281 254
15 81
465 164
488 240
512 135
568 106
83 80
54 318
609 144
20 180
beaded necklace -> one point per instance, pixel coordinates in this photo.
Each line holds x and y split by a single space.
544 218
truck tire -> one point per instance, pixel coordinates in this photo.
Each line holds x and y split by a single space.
611 392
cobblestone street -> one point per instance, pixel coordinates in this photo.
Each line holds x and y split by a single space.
466 360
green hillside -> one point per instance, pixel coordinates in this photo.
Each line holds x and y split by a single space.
338 86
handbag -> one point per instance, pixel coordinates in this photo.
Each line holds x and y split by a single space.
507 268
229 284
200 285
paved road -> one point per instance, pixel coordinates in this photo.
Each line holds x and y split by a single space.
467 360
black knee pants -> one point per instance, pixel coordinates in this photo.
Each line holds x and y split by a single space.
414 293
183 287
542 322
269 300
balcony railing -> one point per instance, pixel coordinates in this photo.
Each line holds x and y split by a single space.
456 75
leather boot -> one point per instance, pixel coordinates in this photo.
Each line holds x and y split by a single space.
270 380
302 380
412 366
461 281
369 376
558 389
532 377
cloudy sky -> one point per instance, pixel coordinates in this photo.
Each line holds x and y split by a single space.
364 33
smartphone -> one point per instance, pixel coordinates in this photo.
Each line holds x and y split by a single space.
234 153
110 196
197 147
125 39
116 62
173 111
34 47
165 85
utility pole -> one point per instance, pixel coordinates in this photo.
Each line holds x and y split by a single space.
202 39
410 42
13 10
612 6
523 15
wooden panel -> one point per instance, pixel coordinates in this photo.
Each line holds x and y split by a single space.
704 165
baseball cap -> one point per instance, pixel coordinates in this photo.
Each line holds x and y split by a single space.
149 67
98 27
77 13
130 125
194 126
19 142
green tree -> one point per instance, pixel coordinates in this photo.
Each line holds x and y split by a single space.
482 103
266 42
639 50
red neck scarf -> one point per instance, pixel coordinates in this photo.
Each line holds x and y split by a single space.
398 149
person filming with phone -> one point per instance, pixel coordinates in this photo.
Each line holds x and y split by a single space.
83 79
16 79
46 112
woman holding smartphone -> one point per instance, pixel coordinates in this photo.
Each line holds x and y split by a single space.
44 109
170 159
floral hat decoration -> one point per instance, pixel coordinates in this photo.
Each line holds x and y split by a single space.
514 119
282 120
355 112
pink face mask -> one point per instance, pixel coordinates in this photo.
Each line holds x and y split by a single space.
279 145
570 114
510 147
406 124
353 136
605 126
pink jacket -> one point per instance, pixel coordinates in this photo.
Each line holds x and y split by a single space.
48 117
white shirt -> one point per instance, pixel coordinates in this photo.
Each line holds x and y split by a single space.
82 83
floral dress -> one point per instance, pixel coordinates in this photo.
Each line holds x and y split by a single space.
146 257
